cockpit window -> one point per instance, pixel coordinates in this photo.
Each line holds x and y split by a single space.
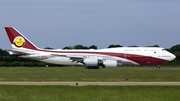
163 49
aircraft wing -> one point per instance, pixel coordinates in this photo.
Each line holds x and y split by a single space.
77 58
71 57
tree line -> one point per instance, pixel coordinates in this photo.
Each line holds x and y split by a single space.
7 60
95 47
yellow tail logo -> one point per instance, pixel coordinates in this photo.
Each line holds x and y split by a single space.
19 41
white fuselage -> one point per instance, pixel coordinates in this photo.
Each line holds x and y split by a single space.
124 55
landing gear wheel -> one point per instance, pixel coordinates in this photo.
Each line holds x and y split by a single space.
158 67
97 67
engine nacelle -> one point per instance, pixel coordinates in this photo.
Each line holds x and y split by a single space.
91 62
110 63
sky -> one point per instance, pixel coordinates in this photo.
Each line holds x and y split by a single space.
60 23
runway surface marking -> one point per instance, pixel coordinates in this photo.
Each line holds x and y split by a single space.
88 83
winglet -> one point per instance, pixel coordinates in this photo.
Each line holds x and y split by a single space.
18 40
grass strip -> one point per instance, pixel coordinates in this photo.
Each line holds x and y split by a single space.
139 74
89 93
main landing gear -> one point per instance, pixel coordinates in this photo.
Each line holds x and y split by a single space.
92 67
158 67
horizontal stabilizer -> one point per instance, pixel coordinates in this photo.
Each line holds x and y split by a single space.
15 52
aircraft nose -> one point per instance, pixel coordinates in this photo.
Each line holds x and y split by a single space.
172 57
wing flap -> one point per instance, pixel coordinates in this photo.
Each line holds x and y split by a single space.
71 57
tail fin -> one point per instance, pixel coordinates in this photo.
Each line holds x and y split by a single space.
18 40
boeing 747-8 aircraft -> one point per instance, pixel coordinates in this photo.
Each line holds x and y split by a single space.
110 57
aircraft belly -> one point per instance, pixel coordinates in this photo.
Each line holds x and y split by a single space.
127 62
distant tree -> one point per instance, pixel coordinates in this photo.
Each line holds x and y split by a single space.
8 59
133 46
49 48
112 46
1 58
68 47
93 47
80 47
154 46
177 54
174 49
3 53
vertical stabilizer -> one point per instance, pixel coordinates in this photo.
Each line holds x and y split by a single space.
18 40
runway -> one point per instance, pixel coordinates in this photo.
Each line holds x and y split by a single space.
89 83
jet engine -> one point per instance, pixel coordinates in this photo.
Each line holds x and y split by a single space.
110 63
91 62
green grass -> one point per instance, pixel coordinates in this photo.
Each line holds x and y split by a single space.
89 93
81 74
